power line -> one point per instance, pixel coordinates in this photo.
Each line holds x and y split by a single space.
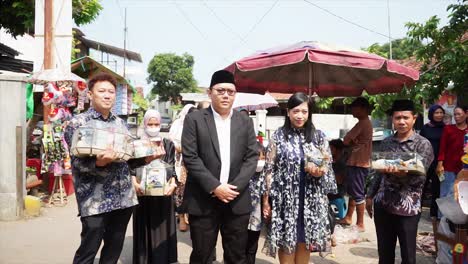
346 20
251 30
260 20
188 19
221 21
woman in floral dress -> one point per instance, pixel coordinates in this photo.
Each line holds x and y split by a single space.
297 176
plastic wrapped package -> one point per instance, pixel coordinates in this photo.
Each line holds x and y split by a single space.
96 137
444 250
406 161
143 148
154 178
452 210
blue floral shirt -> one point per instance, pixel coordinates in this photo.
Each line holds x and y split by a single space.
100 189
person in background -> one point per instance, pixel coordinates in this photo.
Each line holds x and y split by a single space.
220 154
154 225
433 132
298 176
394 198
175 134
340 156
103 185
256 220
244 111
203 105
359 138
451 150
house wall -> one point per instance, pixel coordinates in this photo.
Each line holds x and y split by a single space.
13 147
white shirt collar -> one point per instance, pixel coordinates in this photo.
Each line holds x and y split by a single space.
218 116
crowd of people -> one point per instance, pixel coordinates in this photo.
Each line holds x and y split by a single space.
221 179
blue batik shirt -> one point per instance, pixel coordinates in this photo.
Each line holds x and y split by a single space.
101 189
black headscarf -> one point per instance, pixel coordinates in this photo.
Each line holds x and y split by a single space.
430 115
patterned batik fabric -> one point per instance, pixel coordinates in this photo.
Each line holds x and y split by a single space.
402 195
100 189
280 180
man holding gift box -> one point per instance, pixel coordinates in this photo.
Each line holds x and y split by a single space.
395 195
104 190
220 154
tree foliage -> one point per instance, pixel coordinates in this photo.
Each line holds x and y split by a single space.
401 49
17 16
444 56
170 75
441 52
143 105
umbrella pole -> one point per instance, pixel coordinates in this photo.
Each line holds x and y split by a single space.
311 81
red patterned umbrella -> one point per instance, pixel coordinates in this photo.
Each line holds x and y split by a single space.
312 67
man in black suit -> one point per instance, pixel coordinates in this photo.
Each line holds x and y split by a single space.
220 154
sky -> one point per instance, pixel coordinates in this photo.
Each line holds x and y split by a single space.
219 32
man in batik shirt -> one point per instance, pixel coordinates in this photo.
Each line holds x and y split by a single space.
396 194
104 190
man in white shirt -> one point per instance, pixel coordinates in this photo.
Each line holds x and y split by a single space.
220 154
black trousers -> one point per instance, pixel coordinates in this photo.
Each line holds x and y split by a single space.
252 246
389 227
204 233
108 227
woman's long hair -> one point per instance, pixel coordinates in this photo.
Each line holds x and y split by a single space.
309 128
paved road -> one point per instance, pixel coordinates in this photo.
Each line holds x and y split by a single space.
53 237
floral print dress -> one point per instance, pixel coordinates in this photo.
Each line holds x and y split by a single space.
281 180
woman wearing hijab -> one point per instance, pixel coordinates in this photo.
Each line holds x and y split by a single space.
433 132
175 134
154 226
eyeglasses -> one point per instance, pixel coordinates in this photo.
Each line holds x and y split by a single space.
222 91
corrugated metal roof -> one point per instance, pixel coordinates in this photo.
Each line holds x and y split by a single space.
85 66
131 55
7 51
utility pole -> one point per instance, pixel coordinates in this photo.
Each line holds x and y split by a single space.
125 42
389 33
48 44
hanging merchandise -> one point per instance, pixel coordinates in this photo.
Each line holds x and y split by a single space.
54 148
82 90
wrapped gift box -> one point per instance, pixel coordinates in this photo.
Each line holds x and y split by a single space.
94 138
405 161
154 178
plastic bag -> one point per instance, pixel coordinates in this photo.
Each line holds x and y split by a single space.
347 235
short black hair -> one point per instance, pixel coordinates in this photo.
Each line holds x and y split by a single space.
102 77
295 100
360 102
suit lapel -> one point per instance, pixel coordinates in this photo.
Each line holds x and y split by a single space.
234 135
209 118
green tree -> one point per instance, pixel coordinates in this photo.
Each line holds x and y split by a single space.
142 103
17 16
401 49
170 75
444 56
442 53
